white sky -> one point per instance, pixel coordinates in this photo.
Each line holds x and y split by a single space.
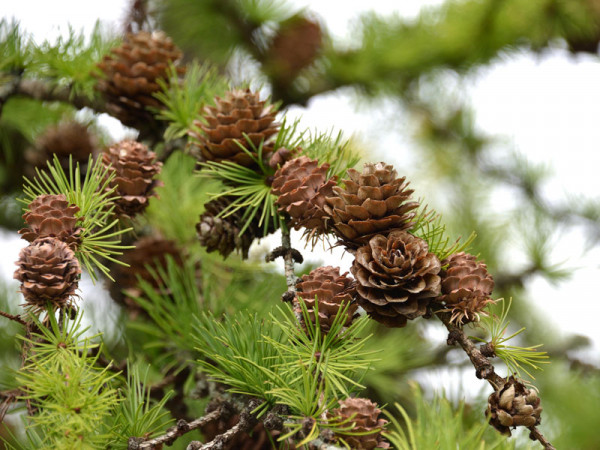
546 106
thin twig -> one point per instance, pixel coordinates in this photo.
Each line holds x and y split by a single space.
290 276
246 423
483 367
14 317
182 427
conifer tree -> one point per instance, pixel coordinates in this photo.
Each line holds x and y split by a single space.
216 348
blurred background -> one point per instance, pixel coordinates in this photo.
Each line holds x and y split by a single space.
490 108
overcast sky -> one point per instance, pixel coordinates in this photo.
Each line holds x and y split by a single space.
546 106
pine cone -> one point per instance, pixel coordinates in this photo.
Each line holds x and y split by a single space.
396 277
302 186
466 287
513 405
365 416
222 131
130 74
65 140
372 202
52 216
149 251
48 272
294 47
332 291
222 234
135 167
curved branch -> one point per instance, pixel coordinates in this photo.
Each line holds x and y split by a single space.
483 367
49 92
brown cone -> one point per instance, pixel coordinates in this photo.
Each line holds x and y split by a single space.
332 291
294 47
514 405
130 74
466 287
373 202
301 186
52 216
397 277
222 234
48 272
149 251
365 416
135 168
65 140
221 133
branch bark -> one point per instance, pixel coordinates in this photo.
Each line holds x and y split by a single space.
182 427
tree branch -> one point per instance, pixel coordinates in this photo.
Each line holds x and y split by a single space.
48 92
483 367
182 427
13 317
246 423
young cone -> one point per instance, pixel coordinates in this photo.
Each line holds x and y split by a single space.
330 291
397 277
52 216
466 287
235 119
48 272
373 202
365 416
135 168
130 74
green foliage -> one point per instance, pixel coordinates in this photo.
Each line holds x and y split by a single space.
516 358
440 426
249 192
236 353
340 352
184 99
71 61
137 415
95 202
61 380
428 226
170 307
15 48
182 196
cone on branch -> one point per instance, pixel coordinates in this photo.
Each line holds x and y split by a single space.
222 233
301 187
49 272
397 278
148 252
513 405
374 201
130 73
66 140
237 118
329 292
135 168
52 216
294 47
365 416
466 287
